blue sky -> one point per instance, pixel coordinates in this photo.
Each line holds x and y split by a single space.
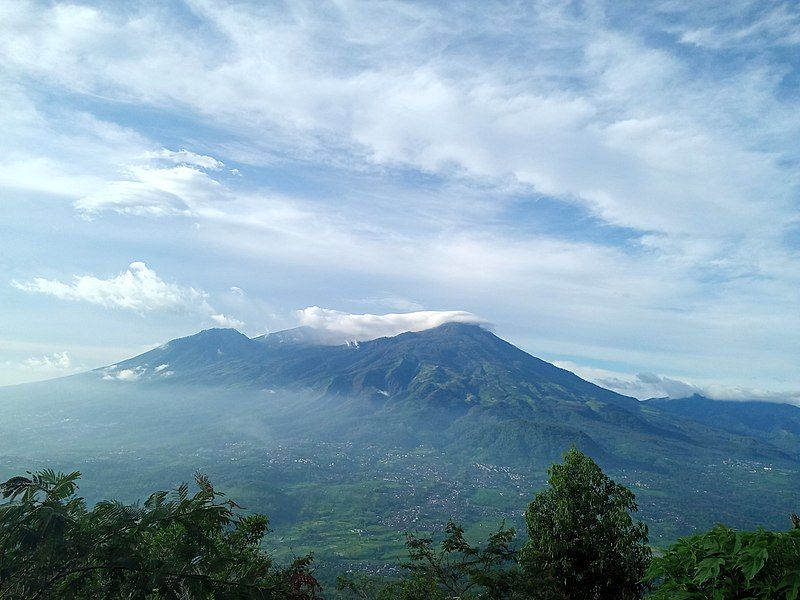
612 186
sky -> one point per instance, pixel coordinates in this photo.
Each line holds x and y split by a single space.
612 186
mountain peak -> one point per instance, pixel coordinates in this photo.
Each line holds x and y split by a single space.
302 335
214 335
460 327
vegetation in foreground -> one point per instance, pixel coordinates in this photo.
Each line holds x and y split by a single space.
582 543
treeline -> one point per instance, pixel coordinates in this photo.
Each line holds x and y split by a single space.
582 543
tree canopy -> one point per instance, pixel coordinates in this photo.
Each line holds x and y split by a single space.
582 539
582 543
175 545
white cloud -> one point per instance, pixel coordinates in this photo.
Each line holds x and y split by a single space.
110 374
650 385
778 25
393 302
138 288
129 374
631 140
225 321
354 327
641 385
156 191
186 157
57 360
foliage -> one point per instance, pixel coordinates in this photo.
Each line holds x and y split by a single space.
456 569
582 539
175 545
729 564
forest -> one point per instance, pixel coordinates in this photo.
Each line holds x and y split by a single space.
582 541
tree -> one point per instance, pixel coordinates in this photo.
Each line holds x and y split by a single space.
724 563
176 545
583 541
456 569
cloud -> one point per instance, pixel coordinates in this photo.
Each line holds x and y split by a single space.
641 385
631 137
779 25
111 374
57 360
354 327
186 157
674 388
650 385
224 321
158 191
138 288
393 302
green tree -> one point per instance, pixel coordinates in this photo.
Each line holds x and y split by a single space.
175 545
582 540
452 569
728 564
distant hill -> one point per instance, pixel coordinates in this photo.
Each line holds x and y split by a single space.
776 423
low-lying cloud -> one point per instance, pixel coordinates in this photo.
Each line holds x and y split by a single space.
651 385
343 327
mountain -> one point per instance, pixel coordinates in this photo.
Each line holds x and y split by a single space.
775 423
456 382
393 433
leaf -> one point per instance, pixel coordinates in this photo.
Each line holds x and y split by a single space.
752 561
792 582
708 568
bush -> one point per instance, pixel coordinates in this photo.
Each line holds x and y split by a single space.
729 564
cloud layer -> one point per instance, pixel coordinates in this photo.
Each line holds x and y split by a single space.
650 385
344 327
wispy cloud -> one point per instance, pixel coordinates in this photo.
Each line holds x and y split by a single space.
57 360
151 189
